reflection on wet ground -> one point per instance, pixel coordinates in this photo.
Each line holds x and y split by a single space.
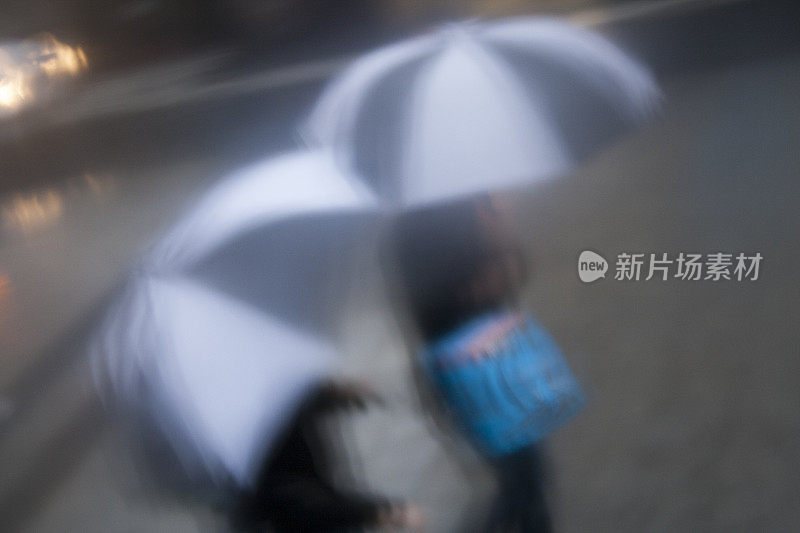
30 212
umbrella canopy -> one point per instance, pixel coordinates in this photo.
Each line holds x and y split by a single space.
272 235
208 372
480 106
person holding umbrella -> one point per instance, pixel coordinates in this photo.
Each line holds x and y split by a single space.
486 363
216 355
436 124
294 492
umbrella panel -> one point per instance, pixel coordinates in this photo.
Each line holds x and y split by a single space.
292 270
586 117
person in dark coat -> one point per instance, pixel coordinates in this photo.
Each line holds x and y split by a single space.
294 491
448 264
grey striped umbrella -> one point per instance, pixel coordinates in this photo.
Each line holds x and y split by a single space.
479 106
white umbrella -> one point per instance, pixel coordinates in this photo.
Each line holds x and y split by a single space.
479 106
210 372
271 234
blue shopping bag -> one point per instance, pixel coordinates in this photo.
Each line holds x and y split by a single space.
505 380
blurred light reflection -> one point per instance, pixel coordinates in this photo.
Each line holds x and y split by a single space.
28 67
31 212
5 285
55 58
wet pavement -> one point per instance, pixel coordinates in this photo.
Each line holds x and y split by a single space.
693 422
